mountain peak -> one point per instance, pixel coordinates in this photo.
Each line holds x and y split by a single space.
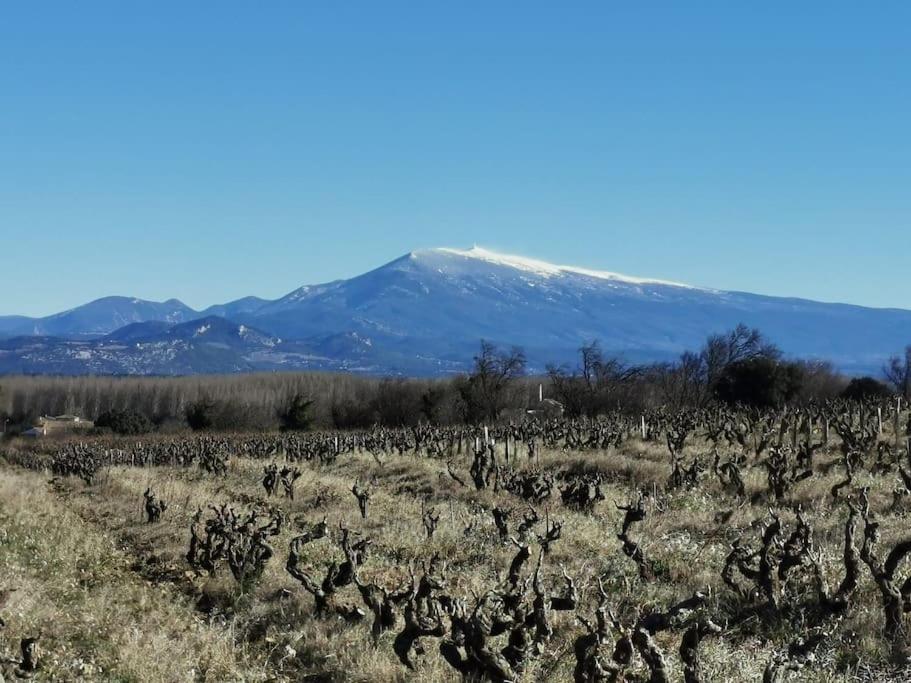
424 313
535 266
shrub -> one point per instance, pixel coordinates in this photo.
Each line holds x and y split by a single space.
296 415
759 382
208 414
351 414
201 415
397 403
128 422
861 388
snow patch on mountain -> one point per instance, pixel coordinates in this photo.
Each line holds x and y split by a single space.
545 269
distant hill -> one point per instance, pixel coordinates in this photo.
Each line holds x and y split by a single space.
98 317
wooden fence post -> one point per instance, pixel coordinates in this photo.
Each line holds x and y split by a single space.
896 422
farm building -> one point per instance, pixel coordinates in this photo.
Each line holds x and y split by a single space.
548 408
61 424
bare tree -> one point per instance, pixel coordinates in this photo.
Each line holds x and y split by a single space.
897 372
485 390
594 386
683 383
691 381
741 343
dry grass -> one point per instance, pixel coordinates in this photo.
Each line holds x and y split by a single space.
113 599
98 619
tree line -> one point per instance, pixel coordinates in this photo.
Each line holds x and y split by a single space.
740 366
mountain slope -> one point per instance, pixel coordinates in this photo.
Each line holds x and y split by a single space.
209 344
248 304
424 313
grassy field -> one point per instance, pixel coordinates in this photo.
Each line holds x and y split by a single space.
113 597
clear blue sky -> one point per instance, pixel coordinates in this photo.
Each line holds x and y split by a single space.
207 151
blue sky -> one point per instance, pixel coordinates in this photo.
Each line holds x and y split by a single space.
208 151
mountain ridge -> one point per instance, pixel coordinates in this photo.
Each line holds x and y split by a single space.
424 312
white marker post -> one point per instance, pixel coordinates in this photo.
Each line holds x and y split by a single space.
896 423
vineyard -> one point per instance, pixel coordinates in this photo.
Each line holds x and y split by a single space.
699 545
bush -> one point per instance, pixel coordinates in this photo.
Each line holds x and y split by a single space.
207 414
861 388
351 414
296 415
759 382
398 403
201 415
127 422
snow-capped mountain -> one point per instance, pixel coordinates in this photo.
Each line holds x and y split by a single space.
425 312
